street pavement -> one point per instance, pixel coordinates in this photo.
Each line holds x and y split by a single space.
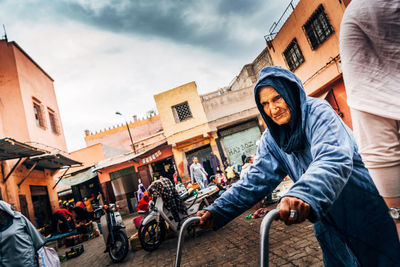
236 244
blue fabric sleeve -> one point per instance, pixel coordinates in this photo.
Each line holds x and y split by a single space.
332 150
264 175
37 239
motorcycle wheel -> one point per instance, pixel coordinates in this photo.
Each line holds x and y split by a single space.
151 235
120 249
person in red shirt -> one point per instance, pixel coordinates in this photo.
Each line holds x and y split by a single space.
80 204
61 221
144 202
65 212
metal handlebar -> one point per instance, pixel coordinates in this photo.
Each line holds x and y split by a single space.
180 239
264 235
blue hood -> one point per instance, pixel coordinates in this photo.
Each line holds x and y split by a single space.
288 137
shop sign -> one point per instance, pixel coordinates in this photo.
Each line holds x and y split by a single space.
241 142
151 157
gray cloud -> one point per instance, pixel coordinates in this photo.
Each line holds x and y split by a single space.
215 25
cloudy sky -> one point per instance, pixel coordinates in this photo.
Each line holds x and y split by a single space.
109 55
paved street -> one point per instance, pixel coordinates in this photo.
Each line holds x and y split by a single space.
236 244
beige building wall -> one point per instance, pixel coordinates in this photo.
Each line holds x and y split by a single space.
176 132
230 107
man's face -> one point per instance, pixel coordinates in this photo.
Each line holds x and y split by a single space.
274 105
195 160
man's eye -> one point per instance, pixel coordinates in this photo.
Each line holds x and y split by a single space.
264 104
277 98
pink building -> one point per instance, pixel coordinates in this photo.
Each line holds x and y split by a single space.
29 114
118 136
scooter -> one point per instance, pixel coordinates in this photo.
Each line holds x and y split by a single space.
153 228
113 230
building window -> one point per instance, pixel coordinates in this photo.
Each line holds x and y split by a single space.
182 112
38 112
318 28
293 55
54 122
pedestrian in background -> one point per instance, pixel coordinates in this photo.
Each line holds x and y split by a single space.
370 54
247 163
244 158
19 240
89 205
140 191
61 221
197 173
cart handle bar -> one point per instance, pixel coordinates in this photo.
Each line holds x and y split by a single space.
181 238
264 236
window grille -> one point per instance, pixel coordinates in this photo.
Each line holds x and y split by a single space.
318 28
38 112
182 112
293 55
53 122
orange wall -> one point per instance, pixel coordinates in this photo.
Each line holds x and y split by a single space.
104 174
313 59
20 80
341 98
34 83
89 155
41 178
14 123
166 152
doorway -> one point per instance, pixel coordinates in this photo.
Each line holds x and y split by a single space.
164 168
145 176
203 155
41 205
24 206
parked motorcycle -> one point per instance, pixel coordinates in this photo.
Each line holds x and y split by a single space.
154 226
113 230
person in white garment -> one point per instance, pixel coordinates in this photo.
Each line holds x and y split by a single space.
197 173
370 54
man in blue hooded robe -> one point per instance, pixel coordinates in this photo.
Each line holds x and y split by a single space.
308 141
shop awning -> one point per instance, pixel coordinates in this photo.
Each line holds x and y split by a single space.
78 177
64 192
52 161
11 149
123 158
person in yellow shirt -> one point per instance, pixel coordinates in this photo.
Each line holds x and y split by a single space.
88 204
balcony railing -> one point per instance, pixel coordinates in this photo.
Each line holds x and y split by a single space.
277 26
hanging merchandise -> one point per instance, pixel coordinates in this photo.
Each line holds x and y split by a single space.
214 162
